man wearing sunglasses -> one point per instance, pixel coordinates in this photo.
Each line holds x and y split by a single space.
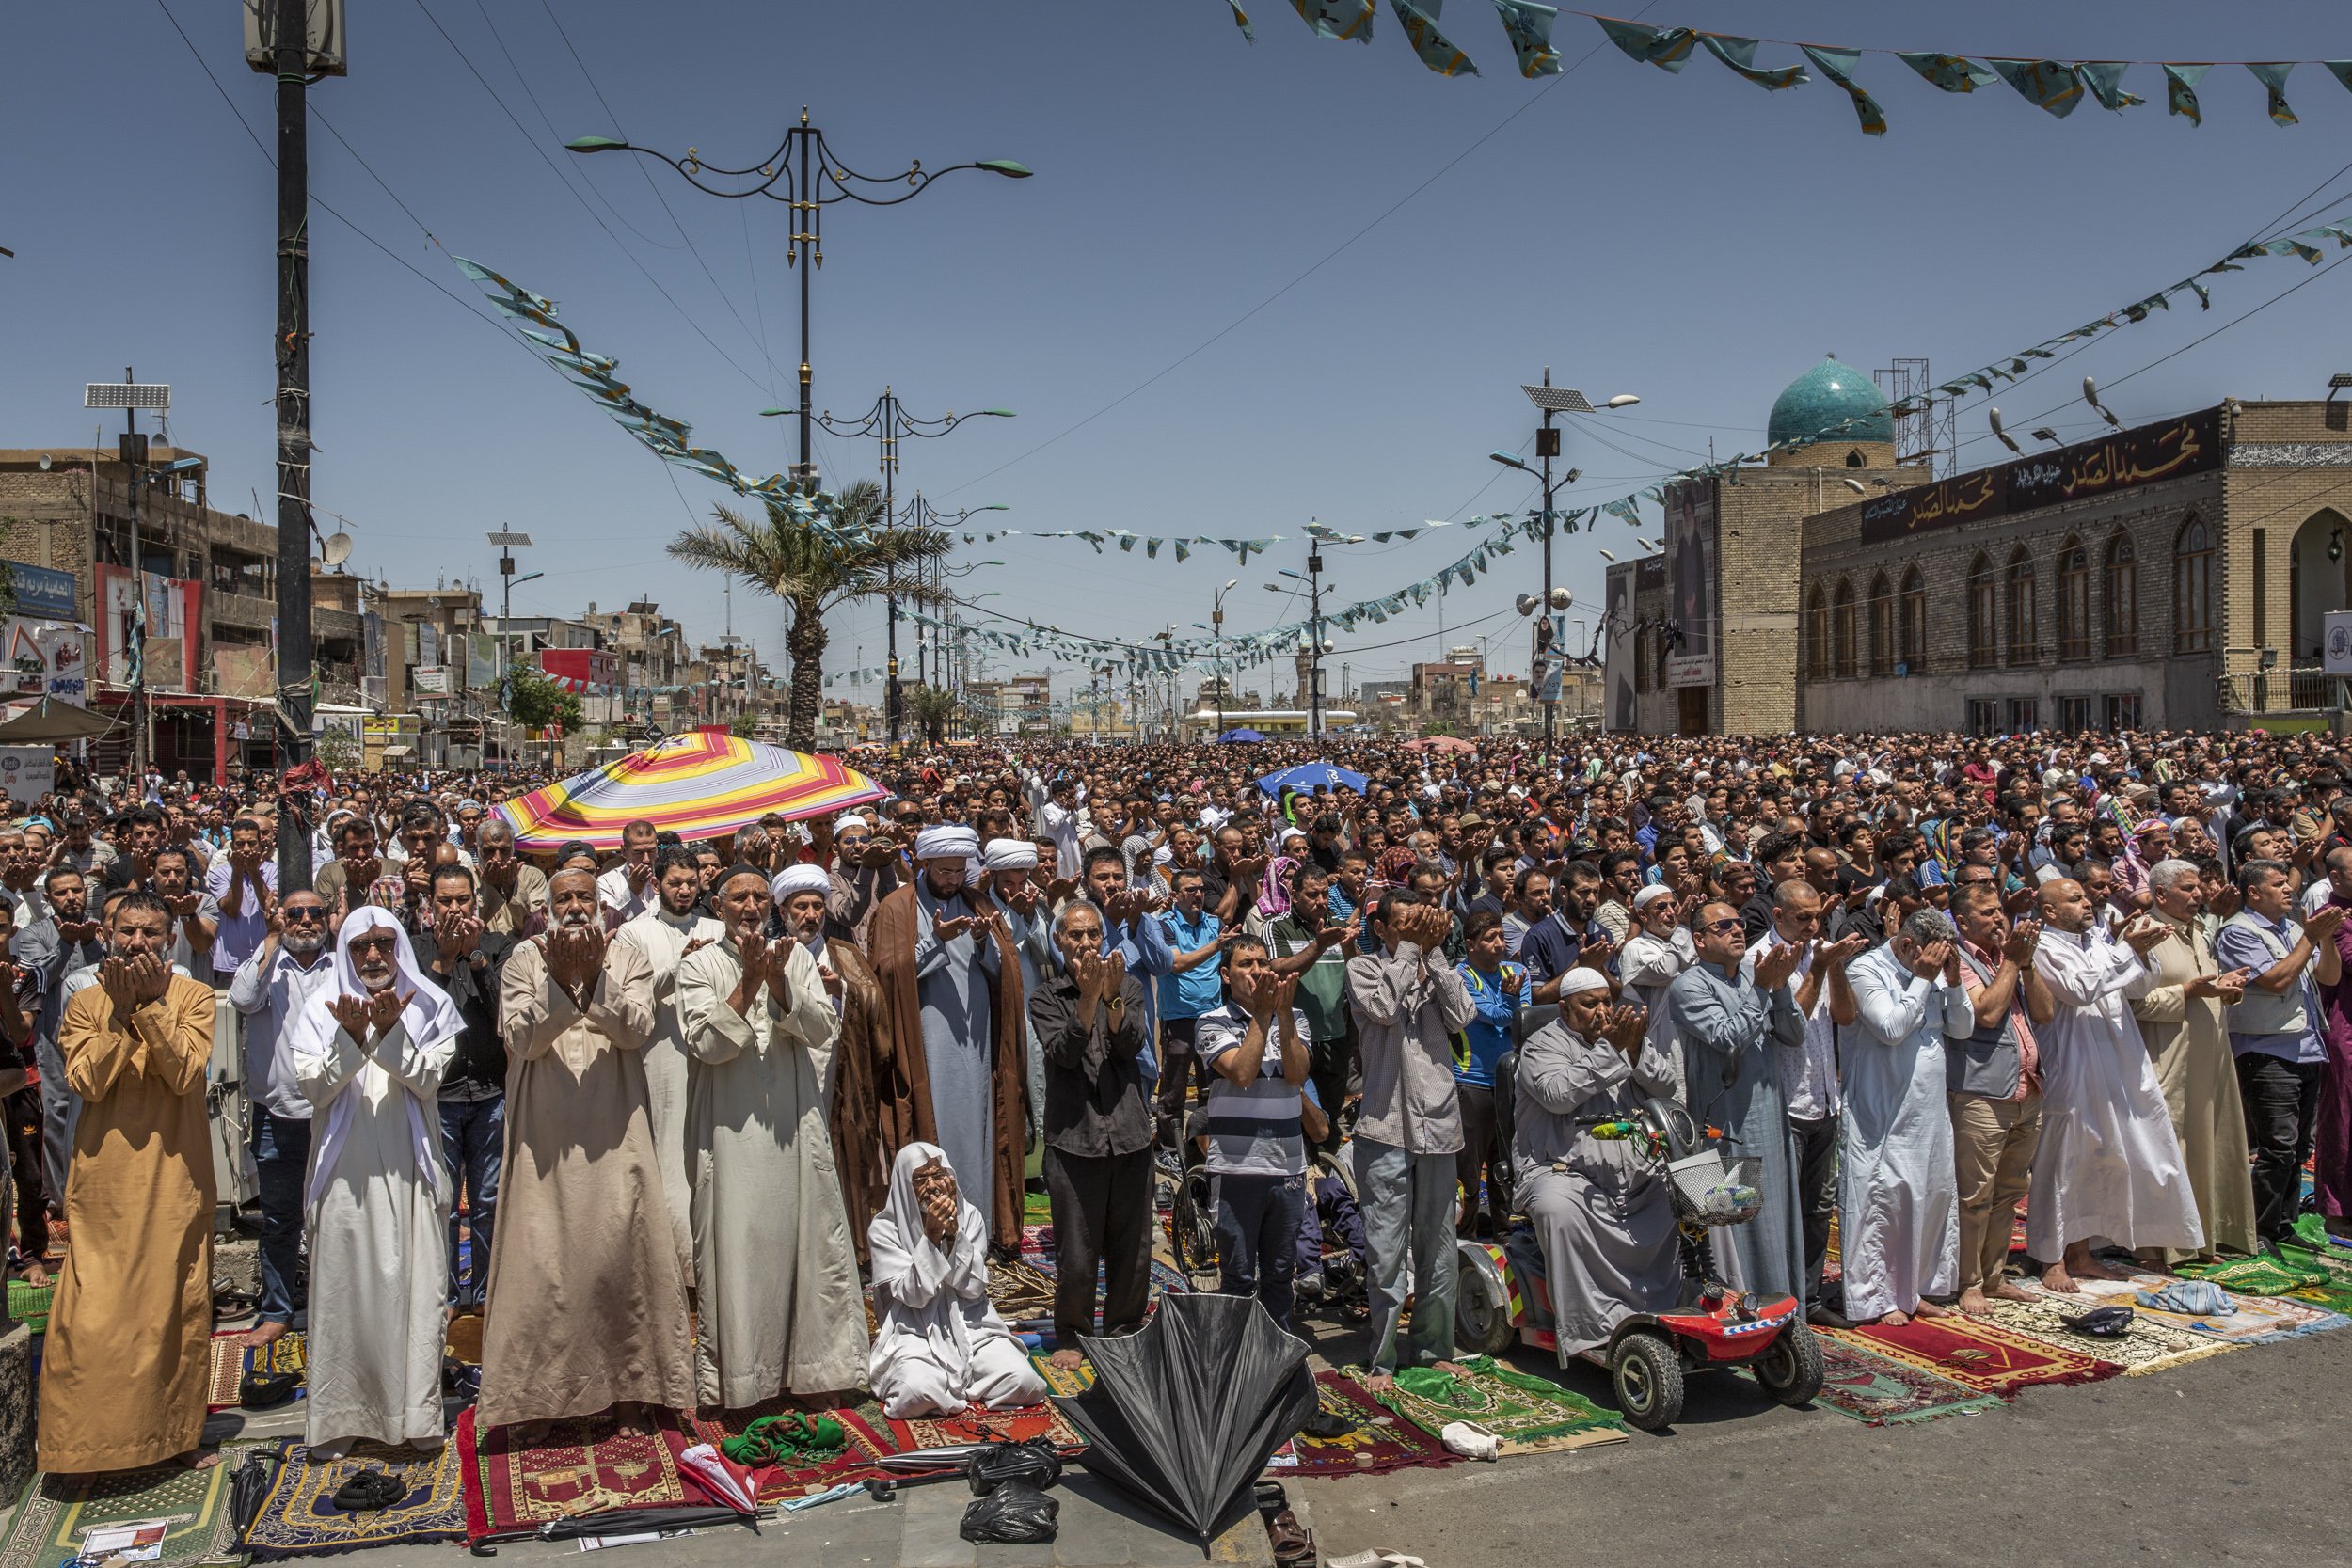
270 990
864 873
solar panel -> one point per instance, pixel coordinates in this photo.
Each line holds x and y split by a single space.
126 394
1561 400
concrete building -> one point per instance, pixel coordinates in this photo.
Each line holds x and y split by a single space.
2175 575
210 584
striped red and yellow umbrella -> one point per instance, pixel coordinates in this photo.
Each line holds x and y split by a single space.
707 785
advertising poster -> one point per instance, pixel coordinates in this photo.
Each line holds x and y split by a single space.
1691 581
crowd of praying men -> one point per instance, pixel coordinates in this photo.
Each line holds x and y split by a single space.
732 1084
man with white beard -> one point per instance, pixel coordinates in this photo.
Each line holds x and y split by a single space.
772 1240
368 1050
666 932
2109 1164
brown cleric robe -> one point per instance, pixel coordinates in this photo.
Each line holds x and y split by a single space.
124 1373
861 1057
903 1081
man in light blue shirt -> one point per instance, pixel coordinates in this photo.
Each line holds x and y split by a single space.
1192 986
2274 1031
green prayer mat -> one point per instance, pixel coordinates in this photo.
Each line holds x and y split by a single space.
2266 1275
189 1507
1529 1414
29 1304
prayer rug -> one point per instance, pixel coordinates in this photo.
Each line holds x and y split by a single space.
583 1465
2312 1230
29 1304
1878 1392
299 1519
1165 1277
232 1358
2325 1258
1062 1380
988 1426
1021 1292
2148 1344
1982 1355
2267 1276
867 1430
186 1510
2257 1321
1528 1414
1382 1440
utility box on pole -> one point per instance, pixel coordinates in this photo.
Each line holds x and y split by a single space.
324 43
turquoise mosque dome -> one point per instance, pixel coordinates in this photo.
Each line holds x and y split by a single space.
1817 402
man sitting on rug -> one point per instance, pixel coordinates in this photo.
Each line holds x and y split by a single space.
1602 1213
941 1347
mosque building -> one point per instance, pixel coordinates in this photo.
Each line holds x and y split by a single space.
2172 575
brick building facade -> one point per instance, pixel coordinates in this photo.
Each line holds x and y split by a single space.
2176 575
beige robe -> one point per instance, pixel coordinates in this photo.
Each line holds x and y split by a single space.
586 1307
124 1372
772 1241
664 1057
2190 1051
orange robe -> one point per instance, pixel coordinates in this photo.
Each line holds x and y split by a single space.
123 1376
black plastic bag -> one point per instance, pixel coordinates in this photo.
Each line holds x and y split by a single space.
1034 1462
1014 1513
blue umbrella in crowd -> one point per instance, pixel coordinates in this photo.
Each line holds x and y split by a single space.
1241 735
1307 775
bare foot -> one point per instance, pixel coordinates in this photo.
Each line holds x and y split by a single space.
2054 1277
1066 1360
1893 1320
1451 1369
326 1454
527 1434
632 1419
2090 1268
1380 1382
36 1273
1929 1309
2008 1289
1973 1301
427 1445
200 1459
263 1333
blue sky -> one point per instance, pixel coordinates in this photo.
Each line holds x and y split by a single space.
1387 254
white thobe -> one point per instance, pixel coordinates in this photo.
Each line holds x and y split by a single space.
778 1276
662 938
2109 1165
1898 1193
378 1218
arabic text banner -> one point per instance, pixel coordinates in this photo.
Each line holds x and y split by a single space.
2169 450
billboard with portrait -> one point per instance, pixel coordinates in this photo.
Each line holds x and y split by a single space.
1691 590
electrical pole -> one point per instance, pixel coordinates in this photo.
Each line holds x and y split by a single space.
1315 632
1548 448
134 467
289 39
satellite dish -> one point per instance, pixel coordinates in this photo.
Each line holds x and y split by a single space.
44 462
336 549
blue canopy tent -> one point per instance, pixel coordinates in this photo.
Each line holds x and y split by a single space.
1241 736
1307 775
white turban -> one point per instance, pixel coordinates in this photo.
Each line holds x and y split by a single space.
1648 895
1580 979
849 819
803 878
946 844
1011 854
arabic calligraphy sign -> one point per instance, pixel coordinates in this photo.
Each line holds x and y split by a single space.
2170 450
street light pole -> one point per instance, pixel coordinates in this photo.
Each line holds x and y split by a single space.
806 192
1216 637
888 420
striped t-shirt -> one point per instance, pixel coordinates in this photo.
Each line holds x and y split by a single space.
1254 1126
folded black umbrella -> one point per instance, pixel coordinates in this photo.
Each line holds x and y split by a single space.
1184 1413
615 1521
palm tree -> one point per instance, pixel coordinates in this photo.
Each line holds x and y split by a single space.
811 571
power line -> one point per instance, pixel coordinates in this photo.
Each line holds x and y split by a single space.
595 216
1317 266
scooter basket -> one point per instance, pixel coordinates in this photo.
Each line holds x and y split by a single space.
1713 1192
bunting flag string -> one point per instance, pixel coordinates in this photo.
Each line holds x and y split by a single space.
2056 86
667 439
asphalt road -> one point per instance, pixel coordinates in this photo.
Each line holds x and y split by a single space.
2236 1459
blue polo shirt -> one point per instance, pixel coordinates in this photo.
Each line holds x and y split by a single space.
1197 990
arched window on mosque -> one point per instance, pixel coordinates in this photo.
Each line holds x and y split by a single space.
1816 635
1842 626
2192 588
2119 597
1984 624
2073 600
2024 639
1881 627
1911 622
